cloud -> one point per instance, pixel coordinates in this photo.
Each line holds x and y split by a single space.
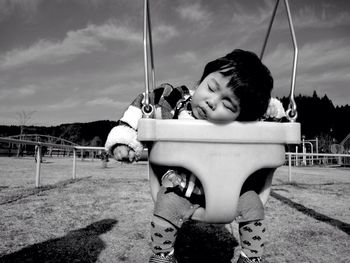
312 56
163 33
322 17
68 103
124 87
106 101
28 8
250 23
82 41
21 92
328 55
195 12
111 31
322 66
327 81
308 17
28 90
244 19
328 72
186 57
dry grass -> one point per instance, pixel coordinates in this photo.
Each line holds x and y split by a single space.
103 216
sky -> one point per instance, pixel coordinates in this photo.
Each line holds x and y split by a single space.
67 61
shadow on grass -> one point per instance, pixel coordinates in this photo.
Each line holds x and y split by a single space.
82 245
199 242
310 212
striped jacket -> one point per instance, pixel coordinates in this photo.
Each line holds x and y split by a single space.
169 103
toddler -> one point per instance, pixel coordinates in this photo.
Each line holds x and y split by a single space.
236 87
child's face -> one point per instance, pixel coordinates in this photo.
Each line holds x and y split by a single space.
214 101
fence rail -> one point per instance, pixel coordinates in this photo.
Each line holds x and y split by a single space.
293 158
39 146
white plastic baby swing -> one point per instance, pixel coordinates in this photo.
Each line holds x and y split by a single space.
221 156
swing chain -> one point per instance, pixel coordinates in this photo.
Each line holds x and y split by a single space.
291 112
292 107
147 108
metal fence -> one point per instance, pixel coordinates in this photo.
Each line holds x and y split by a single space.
38 153
310 159
292 158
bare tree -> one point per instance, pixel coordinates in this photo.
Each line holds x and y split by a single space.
23 117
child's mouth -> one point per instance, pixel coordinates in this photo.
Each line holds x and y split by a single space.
201 113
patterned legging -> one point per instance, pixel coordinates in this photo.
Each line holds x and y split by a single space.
252 228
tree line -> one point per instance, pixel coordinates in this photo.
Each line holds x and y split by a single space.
320 118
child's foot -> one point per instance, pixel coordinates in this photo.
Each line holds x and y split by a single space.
161 258
243 259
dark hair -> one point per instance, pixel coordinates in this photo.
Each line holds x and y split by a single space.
250 80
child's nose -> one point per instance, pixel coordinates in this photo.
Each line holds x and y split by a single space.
211 103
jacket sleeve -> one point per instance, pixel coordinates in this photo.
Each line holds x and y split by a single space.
125 132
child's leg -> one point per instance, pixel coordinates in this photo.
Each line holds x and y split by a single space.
252 228
163 235
170 211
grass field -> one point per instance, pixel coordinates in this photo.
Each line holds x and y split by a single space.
104 215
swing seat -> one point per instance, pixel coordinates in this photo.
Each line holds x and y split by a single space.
222 157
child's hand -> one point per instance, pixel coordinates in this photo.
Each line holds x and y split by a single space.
124 153
198 214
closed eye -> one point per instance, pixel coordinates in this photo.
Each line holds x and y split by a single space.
228 105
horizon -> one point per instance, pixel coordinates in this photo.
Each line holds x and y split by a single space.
83 61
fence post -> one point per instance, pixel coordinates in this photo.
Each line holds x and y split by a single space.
74 162
38 166
290 167
340 160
